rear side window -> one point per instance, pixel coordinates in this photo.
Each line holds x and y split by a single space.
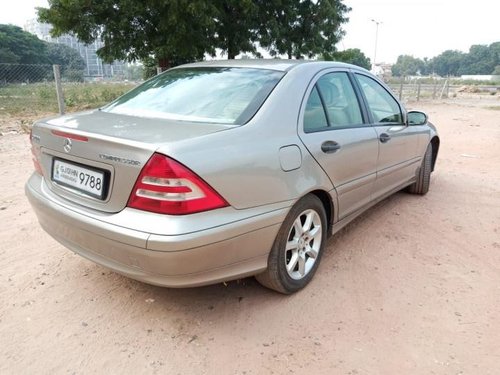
341 104
314 115
383 107
206 94
332 104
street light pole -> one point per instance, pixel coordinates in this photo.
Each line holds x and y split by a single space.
377 23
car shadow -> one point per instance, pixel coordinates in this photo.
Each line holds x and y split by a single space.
235 294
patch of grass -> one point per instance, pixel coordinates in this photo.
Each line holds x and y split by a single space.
29 99
494 107
93 95
32 99
456 81
473 82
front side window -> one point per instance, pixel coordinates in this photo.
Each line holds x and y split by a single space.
205 94
383 107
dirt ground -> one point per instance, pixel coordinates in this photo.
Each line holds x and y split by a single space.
411 287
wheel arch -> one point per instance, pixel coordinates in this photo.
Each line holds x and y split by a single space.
327 201
435 149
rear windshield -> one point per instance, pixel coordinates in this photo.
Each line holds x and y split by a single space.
215 95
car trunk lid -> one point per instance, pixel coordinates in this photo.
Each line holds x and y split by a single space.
94 158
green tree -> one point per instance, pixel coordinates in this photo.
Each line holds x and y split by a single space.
72 64
21 47
235 25
351 56
7 56
174 31
301 28
447 63
408 65
481 59
149 68
495 51
426 68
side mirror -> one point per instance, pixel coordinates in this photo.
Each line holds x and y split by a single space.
416 118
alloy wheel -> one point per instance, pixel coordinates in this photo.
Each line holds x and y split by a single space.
303 244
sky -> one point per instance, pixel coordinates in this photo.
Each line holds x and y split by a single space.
421 28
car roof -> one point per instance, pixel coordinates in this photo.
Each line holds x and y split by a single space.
272 64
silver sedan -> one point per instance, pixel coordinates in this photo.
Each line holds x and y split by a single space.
220 170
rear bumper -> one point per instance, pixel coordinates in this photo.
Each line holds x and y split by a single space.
229 251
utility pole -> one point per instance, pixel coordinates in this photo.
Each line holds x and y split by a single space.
377 23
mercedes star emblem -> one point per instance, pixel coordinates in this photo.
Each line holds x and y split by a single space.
67 145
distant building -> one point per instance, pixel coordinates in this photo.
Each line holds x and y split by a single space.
94 66
382 70
477 77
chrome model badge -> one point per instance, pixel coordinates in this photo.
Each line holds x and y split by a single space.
67 145
119 159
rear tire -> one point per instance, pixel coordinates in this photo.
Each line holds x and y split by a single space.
421 186
298 247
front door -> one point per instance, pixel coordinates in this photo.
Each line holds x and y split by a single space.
398 157
340 138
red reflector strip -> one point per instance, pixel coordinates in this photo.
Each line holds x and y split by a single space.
36 163
37 166
70 136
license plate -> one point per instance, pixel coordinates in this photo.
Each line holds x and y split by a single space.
88 180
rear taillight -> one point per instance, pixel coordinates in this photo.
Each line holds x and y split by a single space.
34 158
167 187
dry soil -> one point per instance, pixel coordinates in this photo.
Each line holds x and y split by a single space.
411 287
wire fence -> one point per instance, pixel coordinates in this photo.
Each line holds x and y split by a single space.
26 87
30 90
416 90
438 89
36 73
25 74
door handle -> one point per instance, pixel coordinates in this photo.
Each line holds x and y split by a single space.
329 147
384 137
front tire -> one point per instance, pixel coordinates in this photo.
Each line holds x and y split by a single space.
421 186
298 247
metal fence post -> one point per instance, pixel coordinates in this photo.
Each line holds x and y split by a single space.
59 91
444 88
418 91
401 87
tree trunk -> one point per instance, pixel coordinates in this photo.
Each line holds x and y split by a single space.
163 63
231 53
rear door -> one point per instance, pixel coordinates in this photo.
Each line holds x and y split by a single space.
336 131
398 156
